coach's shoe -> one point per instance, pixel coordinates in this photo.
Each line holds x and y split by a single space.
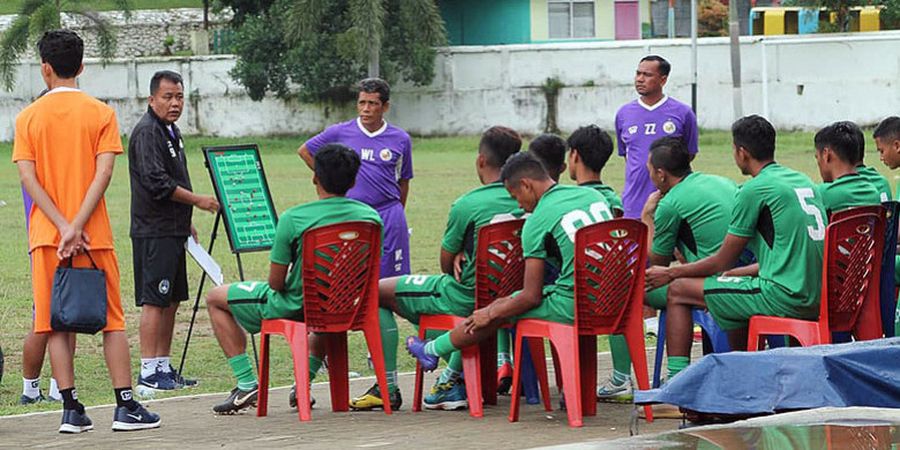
159 381
180 381
416 348
75 421
292 398
504 378
372 400
138 418
615 393
237 401
26 400
448 396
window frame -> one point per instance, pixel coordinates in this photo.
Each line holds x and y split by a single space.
571 4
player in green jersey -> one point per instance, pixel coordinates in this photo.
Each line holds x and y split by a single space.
245 304
868 172
779 215
589 150
550 150
677 219
887 140
452 292
557 212
837 148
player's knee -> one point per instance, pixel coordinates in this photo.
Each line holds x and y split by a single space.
676 293
386 289
217 298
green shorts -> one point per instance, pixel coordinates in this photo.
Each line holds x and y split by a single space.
732 301
249 304
432 294
657 297
555 307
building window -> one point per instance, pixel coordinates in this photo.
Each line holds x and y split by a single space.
571 19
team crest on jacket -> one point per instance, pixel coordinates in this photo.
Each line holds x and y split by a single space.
385 154
669 127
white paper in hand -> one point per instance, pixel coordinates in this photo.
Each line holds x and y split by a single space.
205 261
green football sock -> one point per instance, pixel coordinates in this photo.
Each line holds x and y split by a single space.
453 370
315 363
432 335
676 364
621 359
389 340
243 371
440 346
504 356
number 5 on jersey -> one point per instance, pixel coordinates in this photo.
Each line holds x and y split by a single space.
816 233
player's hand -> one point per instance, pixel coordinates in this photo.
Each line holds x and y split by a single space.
207 203
479 319
457 265
194 234
650 207
657 276
71 242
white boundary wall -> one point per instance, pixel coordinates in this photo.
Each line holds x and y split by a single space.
798 82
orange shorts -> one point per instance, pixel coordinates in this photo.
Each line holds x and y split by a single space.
44 264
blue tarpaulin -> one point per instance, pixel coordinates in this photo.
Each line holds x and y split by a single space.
854 374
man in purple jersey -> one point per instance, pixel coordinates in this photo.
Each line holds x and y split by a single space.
383 178
638 123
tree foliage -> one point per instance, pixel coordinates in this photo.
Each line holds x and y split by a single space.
712 18
317 49
37 16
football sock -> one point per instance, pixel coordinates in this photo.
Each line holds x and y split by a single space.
621 359
163 364
390 339
124 397
243 371
504 356
676 364
70 399
315 363
54 390
432 335
148 367
31 387
453 371
440 346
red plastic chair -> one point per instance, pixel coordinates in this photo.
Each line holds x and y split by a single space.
850 281
340 264
499 271
610 260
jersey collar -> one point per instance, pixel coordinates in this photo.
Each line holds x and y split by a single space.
591 183
655 106
59 89
368 133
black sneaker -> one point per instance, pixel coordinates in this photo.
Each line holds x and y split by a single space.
237 401
139 418
372 400
26 400
292 398
74 421
180 381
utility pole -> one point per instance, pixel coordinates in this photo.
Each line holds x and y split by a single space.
734 29
694 55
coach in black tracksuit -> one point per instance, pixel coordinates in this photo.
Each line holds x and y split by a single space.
161 207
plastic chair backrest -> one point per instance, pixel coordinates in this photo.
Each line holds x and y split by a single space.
340 264
852 268
499 265
857 210
610 261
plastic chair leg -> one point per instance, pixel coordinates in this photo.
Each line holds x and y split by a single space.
587 353
262 399
556 370
417 395
634 336
338 379
516 384
372 333
660 348
300 351
565 340
472 372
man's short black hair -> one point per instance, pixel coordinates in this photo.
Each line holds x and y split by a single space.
671 155
756 135
336 168
888 129
860 139
63 50
498 144
169 75
664 66
523 165
550 149
376 86
841 138
594 146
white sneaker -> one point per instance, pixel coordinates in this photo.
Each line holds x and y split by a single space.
651 324
611 392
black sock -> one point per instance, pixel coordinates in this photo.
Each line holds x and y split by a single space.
124 397
70 399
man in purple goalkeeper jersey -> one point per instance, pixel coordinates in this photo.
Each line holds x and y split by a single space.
652 116
383 179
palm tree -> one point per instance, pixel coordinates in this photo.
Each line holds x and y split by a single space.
37 16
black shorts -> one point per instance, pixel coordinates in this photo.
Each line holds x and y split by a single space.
160 272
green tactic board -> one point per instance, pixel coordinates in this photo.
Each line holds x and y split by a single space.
246 203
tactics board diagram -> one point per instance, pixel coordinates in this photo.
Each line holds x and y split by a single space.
243 192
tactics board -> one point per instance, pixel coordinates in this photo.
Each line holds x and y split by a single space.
243 192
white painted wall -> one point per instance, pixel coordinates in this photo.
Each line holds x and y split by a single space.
855 77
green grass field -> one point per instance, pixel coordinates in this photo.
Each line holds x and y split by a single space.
444 169
12 6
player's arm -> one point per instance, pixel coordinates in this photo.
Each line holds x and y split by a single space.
751 270
529 297
204 202
28 177
306 156
277 275
721 261
404 191
73 237
647 214
447 261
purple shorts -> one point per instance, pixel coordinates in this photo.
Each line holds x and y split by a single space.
395 256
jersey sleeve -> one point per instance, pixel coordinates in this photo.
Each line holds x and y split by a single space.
619 142
110 140
457 222
666 223
328 136
533 238
282 244
691 134
406 169
747 205
23 150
